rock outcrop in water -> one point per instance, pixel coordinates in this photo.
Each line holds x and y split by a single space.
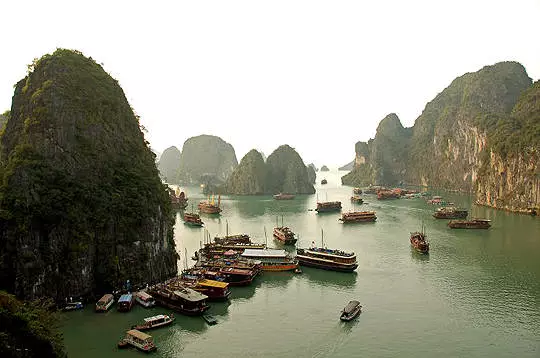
312 174
283 172
454 140
82 206
206 156
324 168
169 164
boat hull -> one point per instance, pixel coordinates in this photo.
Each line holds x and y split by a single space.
349 317
286 267
327 266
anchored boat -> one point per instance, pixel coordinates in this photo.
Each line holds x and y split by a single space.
469 224
272 259
154 322
139 340
419 241
358 216
327 259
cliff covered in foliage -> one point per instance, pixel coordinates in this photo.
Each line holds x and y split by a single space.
454 137
206 156
169 163
82 208
283 172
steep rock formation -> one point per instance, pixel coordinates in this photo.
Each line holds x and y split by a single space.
287 172
324 168
349 166
249 177
82 207
312 174
169 164
509 176
204 157
3 119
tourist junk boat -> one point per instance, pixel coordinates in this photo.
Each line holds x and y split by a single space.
181 299
350 311
328 206
469 224
139 340
272 259
356 199
144 299
104 303
215 290
285 235
192 219
419 241
358 216
125 302
450 212
324 181
154 322
209 206
327 259
357 191
284 196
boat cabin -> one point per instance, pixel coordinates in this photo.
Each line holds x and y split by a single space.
125 302
104 303
144 299
140 340
350 311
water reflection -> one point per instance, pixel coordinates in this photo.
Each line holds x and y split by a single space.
417 256
329 278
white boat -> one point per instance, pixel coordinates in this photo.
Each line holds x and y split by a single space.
139 340
144 299
104 303
155 322
71 306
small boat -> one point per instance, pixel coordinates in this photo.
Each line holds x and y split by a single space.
139 340
469 224
283 196
155 322
350 311
71 306
211 320
144 299
193 219
178 198
450 212
419 241
104 303
357 191
285 235
356 199
324 181
125 302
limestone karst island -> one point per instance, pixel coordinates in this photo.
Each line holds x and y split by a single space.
425 239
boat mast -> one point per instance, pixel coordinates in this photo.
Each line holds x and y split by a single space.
281 220
265 238
322 238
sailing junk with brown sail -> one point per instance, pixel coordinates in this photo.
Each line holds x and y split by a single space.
209 206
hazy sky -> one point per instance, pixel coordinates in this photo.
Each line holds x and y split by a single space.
317 75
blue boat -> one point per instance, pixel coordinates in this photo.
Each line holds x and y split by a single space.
125 302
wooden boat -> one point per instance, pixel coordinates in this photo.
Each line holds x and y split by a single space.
104 303
272 259
125 302
469 224
328 206
72 306
232 275
139 340
284 196
193 219
285 235
327 259
178 198
209 206
324 181
357 191
144 299
356 199
419 241
215 290
211 320
388 194
154 322
358 216
180 299
450 212
350 311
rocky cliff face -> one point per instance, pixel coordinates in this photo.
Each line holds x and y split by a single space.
206 156
451 143
249 177
312 174
82 207
287 172
169 164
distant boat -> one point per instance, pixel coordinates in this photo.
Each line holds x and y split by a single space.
283 196
356 199
144 299
469 224
283 233
125 302
324 181
193 219
419 241
350 311
357 191
450 212
272 259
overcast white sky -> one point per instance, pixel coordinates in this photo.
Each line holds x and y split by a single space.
317 75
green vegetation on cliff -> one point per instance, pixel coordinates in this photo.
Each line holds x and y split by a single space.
28 329
249 177
169 164
4 117
283 172
312 174
206 156
82 207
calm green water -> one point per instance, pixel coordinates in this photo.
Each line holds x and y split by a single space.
477 294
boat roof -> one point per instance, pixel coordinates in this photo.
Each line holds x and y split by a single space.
351 306
155 318
138 334
144 295
331 252
125 297
213 283
106 297
190 295
264 253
